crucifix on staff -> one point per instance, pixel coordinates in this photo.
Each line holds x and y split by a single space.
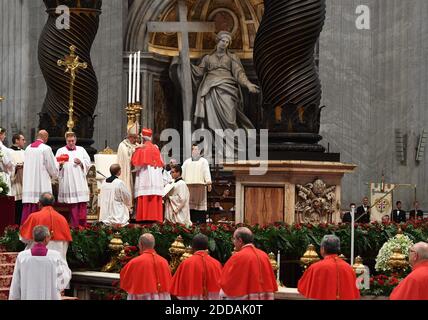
72 66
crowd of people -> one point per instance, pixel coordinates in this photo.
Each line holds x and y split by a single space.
141 185
30 172
397 215
151 190
178 194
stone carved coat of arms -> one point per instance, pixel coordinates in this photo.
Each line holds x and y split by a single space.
315 202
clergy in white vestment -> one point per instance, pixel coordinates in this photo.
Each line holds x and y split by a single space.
177 200
114 199
124 154
17 156
6 164
197 175
56 223
166 177
40 273
149 164
40 167
73 186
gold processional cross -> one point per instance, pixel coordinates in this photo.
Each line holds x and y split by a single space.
72 64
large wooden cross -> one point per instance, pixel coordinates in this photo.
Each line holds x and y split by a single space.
183 28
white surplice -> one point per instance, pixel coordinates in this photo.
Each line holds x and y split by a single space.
40 166
16 177
197 175
177 204
166 176
39 277
73 186
124 154
149 181
150 296
6 166
114 202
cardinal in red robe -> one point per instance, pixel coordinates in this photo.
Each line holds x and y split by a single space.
57 224
415 285
197 278
149 186
331 278
148 276
248 274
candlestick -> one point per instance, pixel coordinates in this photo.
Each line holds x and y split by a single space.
279 265
138 76
130 79
134 79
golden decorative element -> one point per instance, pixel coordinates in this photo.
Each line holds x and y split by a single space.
176 250
187 254
138 107
397 261
343 257
399 233
107 150
130 114
274 264
272 260
2 98
133 113
358 266
309 257
315 202
72 66
116 246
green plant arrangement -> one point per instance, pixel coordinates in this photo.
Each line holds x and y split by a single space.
382 285
10 240
89 249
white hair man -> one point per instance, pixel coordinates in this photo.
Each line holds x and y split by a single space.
415 285
148 276
331 278
149 185
40 273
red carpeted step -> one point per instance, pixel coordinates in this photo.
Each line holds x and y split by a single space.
6 269
5 281
4 293
8 257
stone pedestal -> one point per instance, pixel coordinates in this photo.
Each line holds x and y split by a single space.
271 197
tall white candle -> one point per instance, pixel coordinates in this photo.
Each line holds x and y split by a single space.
134 78
138 76
278 262
130 79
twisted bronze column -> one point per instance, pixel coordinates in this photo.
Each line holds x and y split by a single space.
54 44
285 64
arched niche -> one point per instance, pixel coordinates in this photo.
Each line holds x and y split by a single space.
241 17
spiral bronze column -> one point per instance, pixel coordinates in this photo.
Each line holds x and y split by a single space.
285 64
54 44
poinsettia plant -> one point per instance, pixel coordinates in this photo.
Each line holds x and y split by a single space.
382 285
89 249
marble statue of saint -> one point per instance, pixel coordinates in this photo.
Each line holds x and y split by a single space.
217 81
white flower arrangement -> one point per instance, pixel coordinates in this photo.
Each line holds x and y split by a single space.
401 241
4 188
